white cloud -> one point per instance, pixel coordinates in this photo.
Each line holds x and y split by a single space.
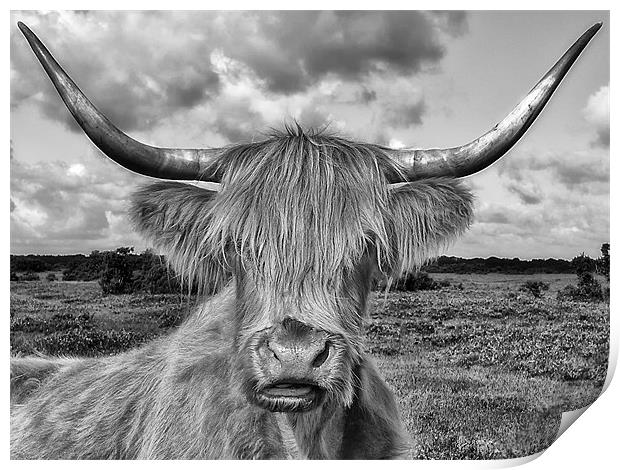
63 208
396 144
596 114
77 169
28 215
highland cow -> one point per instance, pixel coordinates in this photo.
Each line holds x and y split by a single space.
273 364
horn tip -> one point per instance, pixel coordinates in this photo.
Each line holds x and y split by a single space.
25 30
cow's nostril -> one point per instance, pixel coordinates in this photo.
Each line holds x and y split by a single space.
272 350
321 357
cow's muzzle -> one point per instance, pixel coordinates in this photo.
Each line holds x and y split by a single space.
295 361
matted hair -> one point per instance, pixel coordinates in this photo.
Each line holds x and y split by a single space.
300 209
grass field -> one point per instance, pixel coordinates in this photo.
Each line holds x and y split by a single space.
480 369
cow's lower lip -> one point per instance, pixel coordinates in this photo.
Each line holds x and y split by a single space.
290 397
290 390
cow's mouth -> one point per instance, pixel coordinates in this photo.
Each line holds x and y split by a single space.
290 396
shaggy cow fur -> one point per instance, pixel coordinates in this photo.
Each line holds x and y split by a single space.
300 227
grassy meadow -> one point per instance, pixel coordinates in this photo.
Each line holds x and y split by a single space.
481 369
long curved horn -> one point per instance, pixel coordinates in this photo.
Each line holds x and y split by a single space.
165 163
485 150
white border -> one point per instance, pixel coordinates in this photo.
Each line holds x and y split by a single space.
591 442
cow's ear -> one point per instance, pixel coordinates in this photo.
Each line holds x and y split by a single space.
423 217
173 216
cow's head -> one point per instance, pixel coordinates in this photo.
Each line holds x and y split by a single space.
301 224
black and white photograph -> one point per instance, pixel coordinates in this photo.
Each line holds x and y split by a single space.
306 234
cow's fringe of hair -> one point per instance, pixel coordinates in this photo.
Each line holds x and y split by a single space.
298 210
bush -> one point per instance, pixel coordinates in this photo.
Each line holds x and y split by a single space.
154 276
87 342
123 272
416 281
87 269
117 272
84 268
534 287
51 277
583 264
588 290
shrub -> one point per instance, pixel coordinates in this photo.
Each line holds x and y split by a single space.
416 281
154 276
86 270
588 290
534 287
123 272
590 287
51 277
117 271
583 264
87 342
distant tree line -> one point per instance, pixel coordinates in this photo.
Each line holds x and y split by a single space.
43 263
119 271
453 264
123 271
81 265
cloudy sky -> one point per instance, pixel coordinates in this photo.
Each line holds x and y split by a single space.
403 78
